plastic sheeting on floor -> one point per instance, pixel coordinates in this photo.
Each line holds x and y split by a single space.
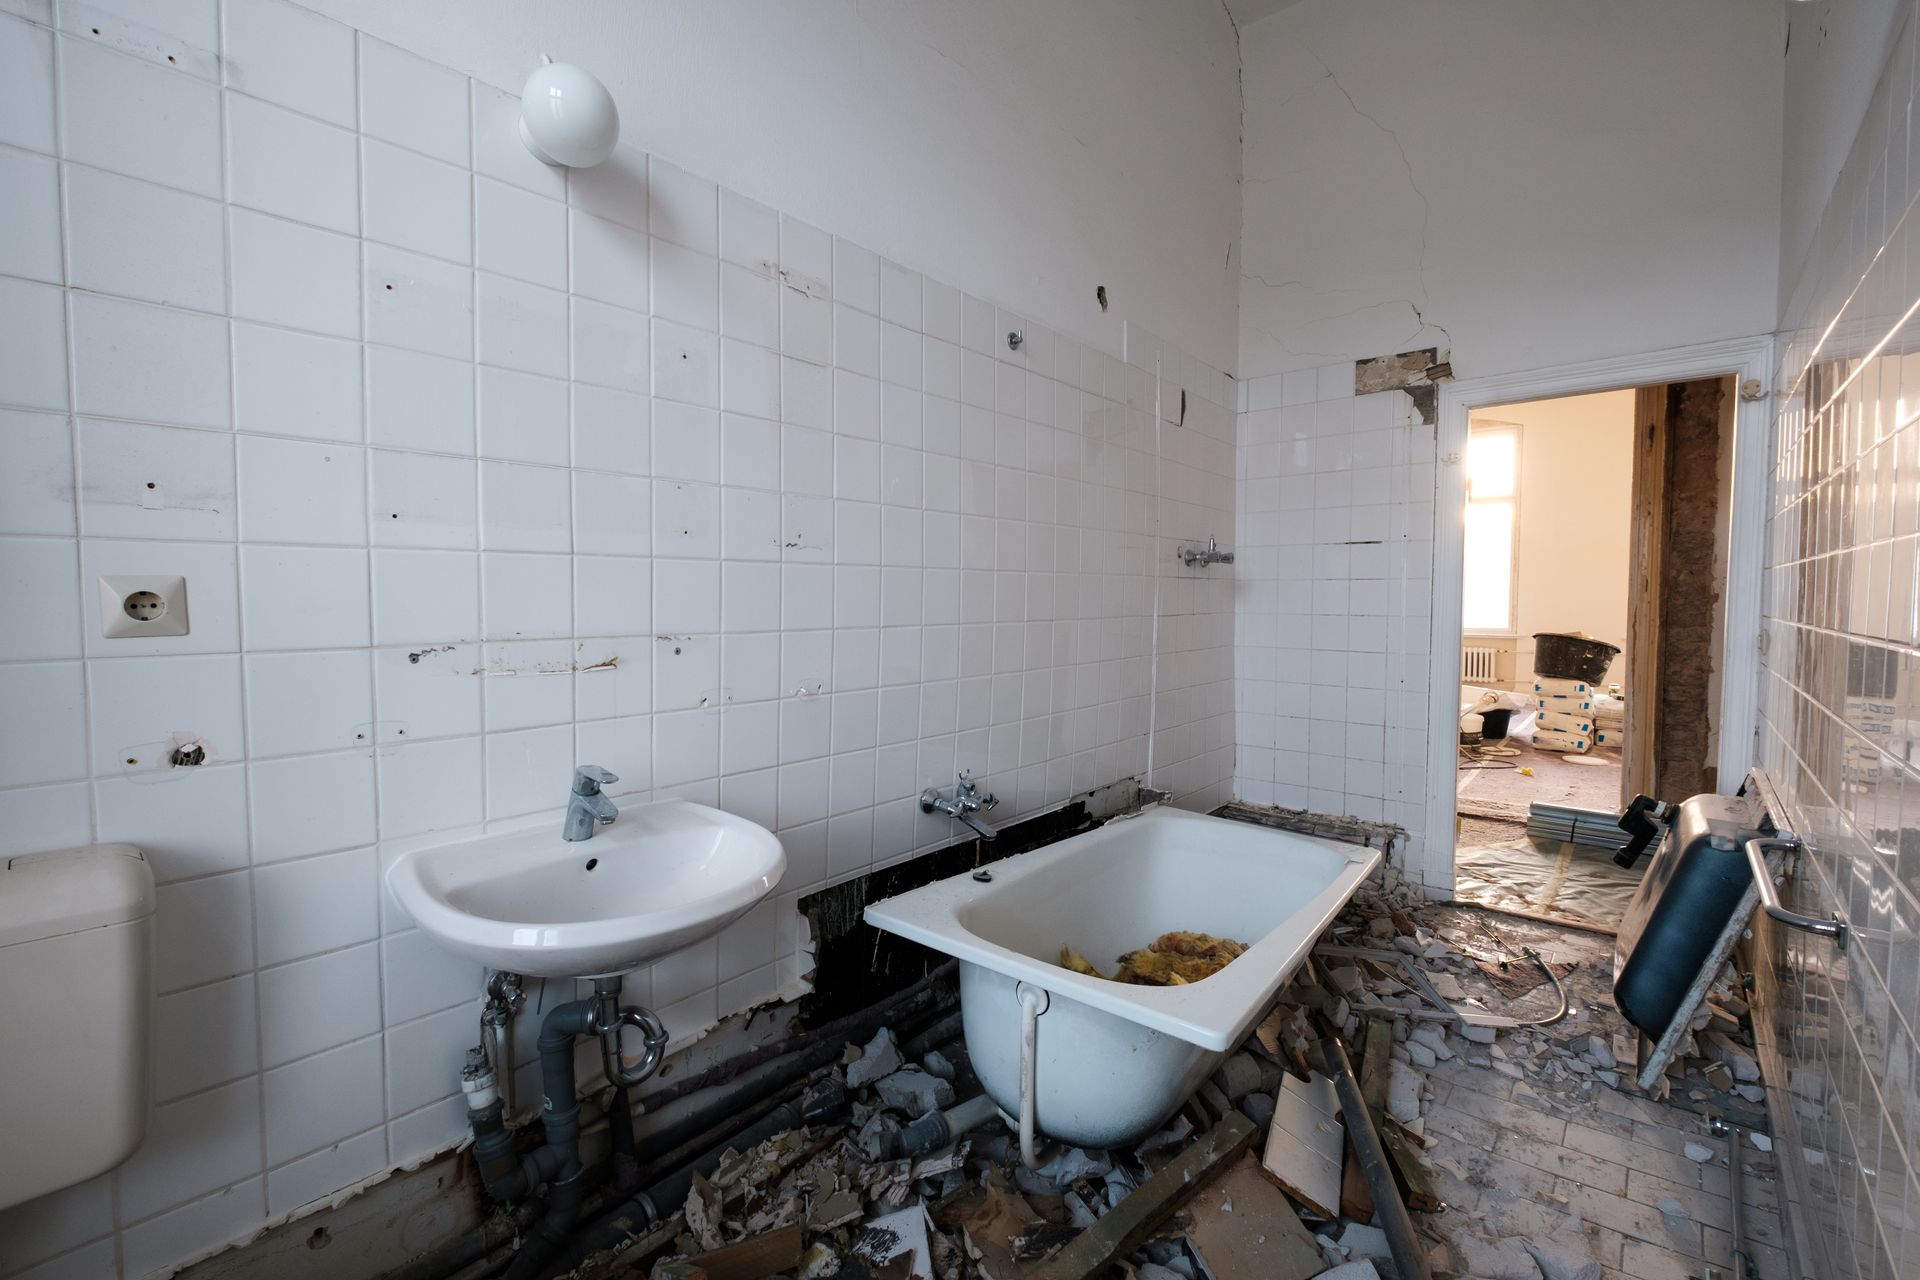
1546 879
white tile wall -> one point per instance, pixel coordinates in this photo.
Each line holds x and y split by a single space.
1838 693
1336 560
476 469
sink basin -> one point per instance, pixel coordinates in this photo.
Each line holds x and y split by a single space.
661 877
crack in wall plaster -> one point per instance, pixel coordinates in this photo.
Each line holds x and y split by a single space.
1417 307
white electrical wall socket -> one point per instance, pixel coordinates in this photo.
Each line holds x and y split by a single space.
143 605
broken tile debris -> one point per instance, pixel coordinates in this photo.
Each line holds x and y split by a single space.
1520 1140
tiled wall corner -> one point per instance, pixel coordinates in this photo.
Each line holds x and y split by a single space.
1840 693
476 469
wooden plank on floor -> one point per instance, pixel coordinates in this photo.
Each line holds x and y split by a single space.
1245 1229
1305 1144
754 1259
1128 1224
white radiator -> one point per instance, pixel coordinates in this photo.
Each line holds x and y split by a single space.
1478 664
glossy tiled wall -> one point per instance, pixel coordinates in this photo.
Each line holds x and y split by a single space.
1840 696
477 469
1332 621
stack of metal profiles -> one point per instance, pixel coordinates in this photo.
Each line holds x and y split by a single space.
1588 828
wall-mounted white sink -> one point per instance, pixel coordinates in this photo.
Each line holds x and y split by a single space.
661 877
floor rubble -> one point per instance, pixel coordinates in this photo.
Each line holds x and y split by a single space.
1524 1150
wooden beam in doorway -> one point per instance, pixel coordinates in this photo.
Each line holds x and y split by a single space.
1647 549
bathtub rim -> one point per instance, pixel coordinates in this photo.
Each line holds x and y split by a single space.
1214 1013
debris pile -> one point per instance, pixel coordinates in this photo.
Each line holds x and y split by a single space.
1256 1178
1170 960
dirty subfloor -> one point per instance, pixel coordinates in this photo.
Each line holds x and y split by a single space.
1515 1151
1541 1156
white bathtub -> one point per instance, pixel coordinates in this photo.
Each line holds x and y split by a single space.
1113 1061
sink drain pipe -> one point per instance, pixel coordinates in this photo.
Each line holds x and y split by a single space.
555 1164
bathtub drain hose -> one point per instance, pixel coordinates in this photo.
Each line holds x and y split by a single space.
1033 1003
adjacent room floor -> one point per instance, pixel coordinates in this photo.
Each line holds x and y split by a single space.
1497 864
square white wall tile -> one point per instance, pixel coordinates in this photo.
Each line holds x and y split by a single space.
431 786
193 1229
311 804
203 1037
34 819
46 706
312 1179
300 492
301 703
292 166
138 240
425 597
417 302
33 329
610 261
142 707
286 54
407 100
524 508
30 218
193 825
203 931
612 430
520 234
303 597
416 202
296 384
525 597
293 275
155 482
420 500
683 208
26 85
323 1099
313 1005
311 905
417 401
523 416
521 326
139 118
137 361
194 1146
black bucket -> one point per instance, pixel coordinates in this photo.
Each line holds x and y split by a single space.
1493 723
1563 657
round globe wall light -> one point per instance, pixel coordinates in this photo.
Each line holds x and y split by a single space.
567 117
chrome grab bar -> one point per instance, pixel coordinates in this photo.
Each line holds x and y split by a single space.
1757 849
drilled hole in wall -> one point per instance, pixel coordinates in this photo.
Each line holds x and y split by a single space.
1100 296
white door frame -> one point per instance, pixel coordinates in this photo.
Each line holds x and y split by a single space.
1746 359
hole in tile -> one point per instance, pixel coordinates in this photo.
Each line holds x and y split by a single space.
1100 295
592 863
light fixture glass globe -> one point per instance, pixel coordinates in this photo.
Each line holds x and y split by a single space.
567 117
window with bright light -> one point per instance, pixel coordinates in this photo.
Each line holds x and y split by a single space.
1493 475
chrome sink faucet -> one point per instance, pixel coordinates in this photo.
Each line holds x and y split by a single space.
966 802
587 805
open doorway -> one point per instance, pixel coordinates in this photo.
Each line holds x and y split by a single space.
1594 561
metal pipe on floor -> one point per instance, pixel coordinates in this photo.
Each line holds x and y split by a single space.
1743 1264
1389 1210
